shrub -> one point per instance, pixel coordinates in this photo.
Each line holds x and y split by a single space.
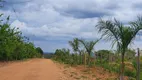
64 56
14 46
130 73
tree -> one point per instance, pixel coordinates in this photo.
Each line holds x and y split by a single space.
104 55
89 46
63 55
13 46
120 35
39 50
129 55
75 46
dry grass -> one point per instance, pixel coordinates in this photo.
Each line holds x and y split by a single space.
81 72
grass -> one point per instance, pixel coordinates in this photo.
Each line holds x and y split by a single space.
109 68
84 77
114 67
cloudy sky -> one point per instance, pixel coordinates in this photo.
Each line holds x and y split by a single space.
50 24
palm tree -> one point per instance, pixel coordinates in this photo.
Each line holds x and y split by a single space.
120 35
89 46
75 46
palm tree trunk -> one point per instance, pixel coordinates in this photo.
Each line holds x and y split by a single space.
89 60
85 59
122 66
76 58
80 62
80 57
138 65
108 57
101 58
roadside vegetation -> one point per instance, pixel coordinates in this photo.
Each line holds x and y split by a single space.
121 61
15 46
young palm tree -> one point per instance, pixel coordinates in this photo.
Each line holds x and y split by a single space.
120 34
75 46
89 46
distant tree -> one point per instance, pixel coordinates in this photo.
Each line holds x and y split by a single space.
89 46
75 46
130 54
104 55
39 50
63 55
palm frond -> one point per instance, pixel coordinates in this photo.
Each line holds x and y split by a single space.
89 45
118 33
74 44
110 30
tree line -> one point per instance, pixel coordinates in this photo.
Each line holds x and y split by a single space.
15 46
112 30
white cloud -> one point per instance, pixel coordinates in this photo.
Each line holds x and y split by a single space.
61 19
73 28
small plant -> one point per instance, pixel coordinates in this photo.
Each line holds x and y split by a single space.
131 78
98 79
93 75
84 77
130 73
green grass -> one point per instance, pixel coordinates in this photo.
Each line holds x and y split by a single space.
114 67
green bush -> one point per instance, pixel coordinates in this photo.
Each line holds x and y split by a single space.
130 73
141 68
115 67
14 46
64 56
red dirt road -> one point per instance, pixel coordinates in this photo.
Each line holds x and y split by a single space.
35 69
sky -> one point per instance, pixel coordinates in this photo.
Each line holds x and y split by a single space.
50 24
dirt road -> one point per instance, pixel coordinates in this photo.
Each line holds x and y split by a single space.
35 69
46 69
